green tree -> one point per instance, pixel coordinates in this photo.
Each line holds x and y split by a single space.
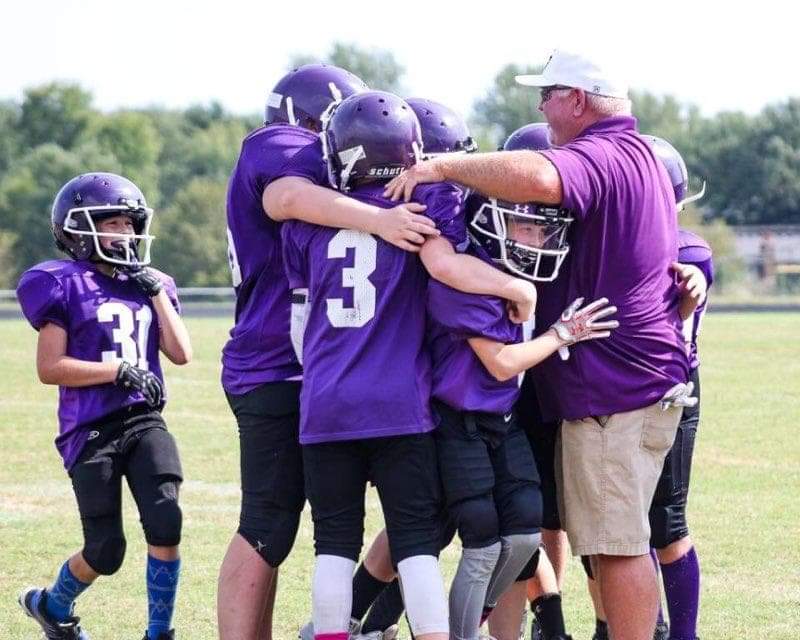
191 242
27 191
9 138
506 106
133 139
55 113
377 67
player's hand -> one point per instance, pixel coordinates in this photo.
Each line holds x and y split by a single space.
130 377
403 185
146 279
583 323
691 282
404 227
523 300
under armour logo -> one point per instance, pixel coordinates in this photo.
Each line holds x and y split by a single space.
260 546
93 435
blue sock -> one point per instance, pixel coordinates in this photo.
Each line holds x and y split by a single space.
61 596
162 585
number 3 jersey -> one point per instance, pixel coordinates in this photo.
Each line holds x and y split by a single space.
366 371
107 320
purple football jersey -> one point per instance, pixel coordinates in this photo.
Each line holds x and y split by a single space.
459 378
259 349
622 244
367 373
692 249
106 319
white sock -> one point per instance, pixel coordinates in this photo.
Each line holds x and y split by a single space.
332 594
423 592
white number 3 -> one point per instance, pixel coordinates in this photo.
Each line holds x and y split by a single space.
132 351
356 278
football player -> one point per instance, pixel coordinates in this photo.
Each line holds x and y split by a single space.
367 377
102 317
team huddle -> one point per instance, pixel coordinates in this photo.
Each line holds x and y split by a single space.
461 330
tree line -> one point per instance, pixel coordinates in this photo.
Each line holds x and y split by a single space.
181 159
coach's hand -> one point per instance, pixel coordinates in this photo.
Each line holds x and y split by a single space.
130 377
577 324
404 227
403 185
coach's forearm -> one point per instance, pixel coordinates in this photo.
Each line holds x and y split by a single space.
516 176
300 199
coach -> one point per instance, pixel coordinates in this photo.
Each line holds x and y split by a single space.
612 395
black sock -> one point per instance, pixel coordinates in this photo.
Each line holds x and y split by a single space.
366 588
386 610
547 609
600 629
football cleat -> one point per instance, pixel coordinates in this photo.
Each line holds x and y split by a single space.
661 632
389 634
53 629
166 635
307 630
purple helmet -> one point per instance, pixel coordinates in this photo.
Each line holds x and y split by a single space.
443 130
302 95
370 136
535 137
91 197
676 169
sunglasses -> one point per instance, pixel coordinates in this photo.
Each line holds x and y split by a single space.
547 92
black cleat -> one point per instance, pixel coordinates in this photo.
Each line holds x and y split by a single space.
168 635
53 629
661 632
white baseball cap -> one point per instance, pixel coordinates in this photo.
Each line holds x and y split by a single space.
575 70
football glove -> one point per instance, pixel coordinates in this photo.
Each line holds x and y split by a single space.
147 383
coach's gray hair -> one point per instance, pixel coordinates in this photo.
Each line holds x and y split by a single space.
607 105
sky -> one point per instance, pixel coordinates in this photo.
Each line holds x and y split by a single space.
175 53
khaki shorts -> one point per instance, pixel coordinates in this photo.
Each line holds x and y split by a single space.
607 471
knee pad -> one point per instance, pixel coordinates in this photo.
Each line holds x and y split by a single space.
586 561
477 521
667 524
529 570
105 554
272 537
162 524
521 510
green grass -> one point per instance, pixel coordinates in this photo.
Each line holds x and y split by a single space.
744 505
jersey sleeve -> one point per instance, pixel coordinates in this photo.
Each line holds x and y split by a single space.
467 315
294 255
445 206
582 176
172 290
307 163
43 300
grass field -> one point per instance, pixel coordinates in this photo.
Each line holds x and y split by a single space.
744 505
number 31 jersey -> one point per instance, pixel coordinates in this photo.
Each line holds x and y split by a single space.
366 371
106 320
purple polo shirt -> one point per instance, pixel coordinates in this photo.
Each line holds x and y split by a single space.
623 241
692 249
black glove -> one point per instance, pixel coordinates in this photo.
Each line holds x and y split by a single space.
148 384
145 278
